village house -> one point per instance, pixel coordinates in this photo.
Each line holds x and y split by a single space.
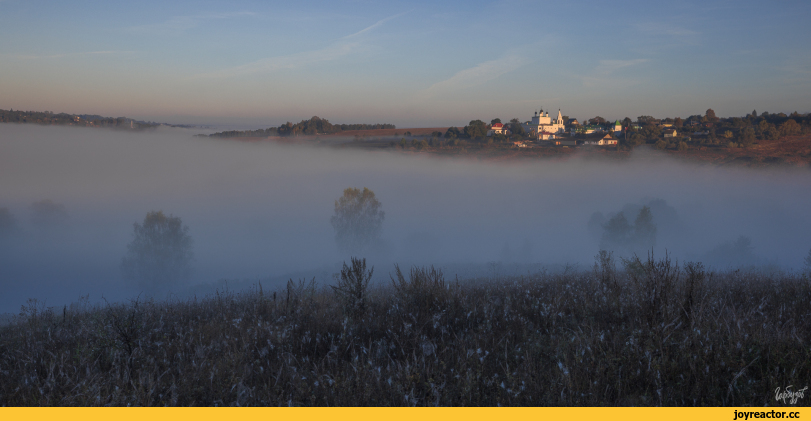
498 128
670 132
546 136
606 140
593 128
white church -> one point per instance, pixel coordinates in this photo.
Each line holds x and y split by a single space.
542 127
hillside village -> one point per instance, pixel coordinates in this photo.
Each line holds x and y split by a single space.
543 130
701 131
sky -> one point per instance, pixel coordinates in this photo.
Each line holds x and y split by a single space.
409 63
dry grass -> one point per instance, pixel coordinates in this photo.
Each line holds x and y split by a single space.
655 333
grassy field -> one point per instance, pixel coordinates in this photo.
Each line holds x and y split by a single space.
649 333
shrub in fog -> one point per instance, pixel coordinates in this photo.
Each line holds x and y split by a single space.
357 220
160 253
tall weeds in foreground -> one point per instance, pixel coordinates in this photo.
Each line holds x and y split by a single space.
353 286
421 294
657 333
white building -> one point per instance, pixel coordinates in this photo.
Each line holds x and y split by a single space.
541 122
545 136
498 128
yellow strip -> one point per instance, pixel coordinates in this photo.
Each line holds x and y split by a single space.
401 414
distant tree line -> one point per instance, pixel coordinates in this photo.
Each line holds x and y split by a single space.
476 131
64 119
313 126
711 130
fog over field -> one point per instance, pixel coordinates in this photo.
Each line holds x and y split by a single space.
262 210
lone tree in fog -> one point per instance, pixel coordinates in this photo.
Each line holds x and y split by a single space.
160 253
619 235
357 220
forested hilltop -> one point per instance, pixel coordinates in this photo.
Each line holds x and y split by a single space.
64 119
313 126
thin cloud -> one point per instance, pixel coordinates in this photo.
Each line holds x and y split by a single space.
184 23
292 61
606 74
375 25
479 74
343 47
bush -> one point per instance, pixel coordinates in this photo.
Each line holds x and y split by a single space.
423 292
655 281
353 286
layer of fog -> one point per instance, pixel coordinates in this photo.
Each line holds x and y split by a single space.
260 210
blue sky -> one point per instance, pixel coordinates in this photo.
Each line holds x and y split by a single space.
409 63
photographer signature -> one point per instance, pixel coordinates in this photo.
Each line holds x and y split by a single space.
789 394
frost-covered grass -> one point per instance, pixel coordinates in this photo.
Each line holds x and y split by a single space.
654 333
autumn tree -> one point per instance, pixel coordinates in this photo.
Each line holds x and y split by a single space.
160 253
452 133
710 115
516 128
747 136
790 128
476 129
357 220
